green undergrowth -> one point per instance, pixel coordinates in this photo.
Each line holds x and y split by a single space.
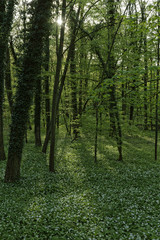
108 200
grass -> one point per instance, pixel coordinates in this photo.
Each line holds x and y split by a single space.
82 200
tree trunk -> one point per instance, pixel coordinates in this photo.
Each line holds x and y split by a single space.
157 83
6 16
2 152
74 93
47 90
110 72
58 86
123 100
131 113
74 82
26 84
55 92
82 68
8 81
150 100
96 134
145 77
37 114
46 141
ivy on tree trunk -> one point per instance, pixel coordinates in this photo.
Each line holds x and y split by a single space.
26 85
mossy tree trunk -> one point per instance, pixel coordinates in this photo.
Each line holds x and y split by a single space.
6 17
2 55
8 80
26 84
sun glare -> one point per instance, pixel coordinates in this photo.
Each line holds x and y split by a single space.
59 21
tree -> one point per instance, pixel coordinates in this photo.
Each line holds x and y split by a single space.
37 110
73 79
109 69
47 89
145 77
55 89
6 17
8 79
26 84
157 82
59 83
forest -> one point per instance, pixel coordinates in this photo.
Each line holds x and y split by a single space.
79 119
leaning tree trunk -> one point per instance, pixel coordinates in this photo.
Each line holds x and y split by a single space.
58 86
26 84
56 91
62 81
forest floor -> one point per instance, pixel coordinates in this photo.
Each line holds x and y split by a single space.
109 200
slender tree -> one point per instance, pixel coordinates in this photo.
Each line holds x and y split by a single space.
145 77
37 110
73 79
96 131
47 85
55 90
58 86
157 82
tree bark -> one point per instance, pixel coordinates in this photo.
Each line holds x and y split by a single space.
58 87
74 93
26 84
8 80
55 92
145 77
109 72
37 113
157 84
2 152
47 90
96 134
6 17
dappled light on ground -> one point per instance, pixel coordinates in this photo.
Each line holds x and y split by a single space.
84 200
